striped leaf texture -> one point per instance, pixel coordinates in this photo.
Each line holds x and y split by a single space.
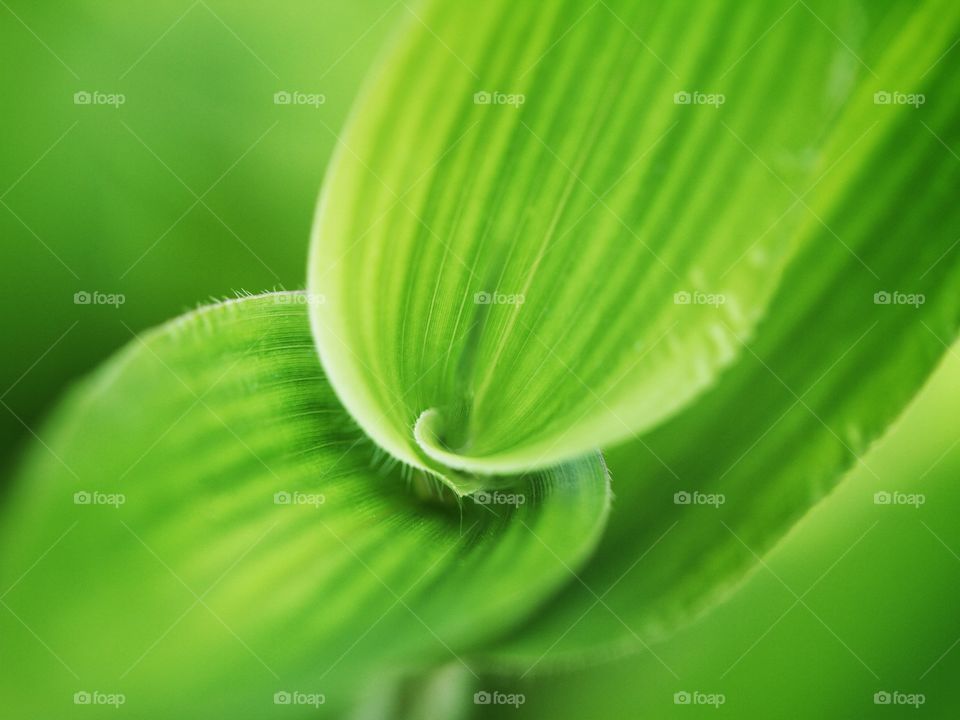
546 227
861 318
203 531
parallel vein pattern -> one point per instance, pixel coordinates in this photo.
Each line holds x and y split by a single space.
542 228
205 527
862 317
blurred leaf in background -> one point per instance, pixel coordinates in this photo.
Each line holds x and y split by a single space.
859 599
154 159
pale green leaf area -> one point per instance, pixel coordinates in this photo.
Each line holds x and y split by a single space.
543 233
704 496
201 526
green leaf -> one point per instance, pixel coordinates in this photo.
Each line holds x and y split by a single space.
202 526
832 366
873 579
616 201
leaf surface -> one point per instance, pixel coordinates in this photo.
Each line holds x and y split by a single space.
542 232
861 318
202 515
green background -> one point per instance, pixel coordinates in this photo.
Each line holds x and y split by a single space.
97 198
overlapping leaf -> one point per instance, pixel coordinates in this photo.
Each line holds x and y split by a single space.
544 228
203 526
860 319
875 581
